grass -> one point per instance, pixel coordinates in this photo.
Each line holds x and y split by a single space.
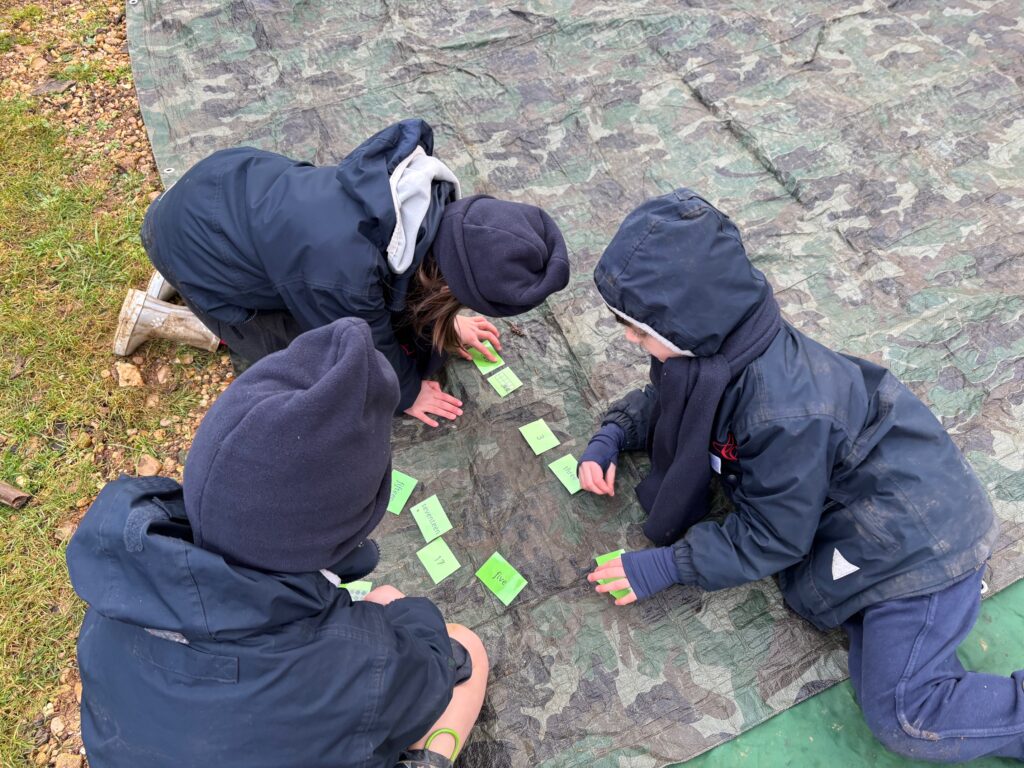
66 257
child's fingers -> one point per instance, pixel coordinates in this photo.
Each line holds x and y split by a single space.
488 336
627 599
613 586
479 346
444 397
589 470
422 416
610 479
446 410
464 354
611 570
487 325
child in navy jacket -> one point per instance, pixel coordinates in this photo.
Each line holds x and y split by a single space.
843 483
263 247
216 633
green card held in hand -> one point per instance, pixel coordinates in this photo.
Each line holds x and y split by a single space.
439 560
484 365
539 436
504 382
501 578
357 590
565 470
401 489
430 517
601 560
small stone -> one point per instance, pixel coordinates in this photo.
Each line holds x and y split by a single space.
187 359
66 531
165 422
48 709
148 466
42 757
104 374
21 481
52 86
83 502
152 400
128 375
37 63
163 374
69 761
57 726
84 440
152 195
169 466
78 692
138 359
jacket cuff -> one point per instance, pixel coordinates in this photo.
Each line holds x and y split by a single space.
682 553
410 391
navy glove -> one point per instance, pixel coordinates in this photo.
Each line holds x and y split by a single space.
650 571
604 447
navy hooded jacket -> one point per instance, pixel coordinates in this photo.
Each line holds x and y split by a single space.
246 230
188 660
843 482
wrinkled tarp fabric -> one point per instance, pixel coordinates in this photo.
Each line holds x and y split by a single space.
873 159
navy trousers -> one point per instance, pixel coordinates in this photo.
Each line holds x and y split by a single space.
917 698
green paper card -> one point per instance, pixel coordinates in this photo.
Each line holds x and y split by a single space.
504 382
601 560
484 365
358 590
439 560
565 470
539 435
430 517
401 489
501 578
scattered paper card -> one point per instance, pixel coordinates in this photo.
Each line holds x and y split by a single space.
358 590
565 470
439 560
601 560
539 435
430 517
505 382
484 365
401 489
501 578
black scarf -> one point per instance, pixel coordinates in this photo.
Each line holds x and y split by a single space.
675 494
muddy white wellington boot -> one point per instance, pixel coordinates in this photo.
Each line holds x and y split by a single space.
159 288
144 317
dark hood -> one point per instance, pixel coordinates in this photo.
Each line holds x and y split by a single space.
677 267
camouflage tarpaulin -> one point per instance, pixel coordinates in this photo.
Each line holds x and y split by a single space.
873 157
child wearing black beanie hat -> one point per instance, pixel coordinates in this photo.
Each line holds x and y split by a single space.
382 236
215 606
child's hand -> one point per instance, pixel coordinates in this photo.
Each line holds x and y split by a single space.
383 595
432 399
595 480
613 570
473 331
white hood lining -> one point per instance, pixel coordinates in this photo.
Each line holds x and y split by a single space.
651 332
411 194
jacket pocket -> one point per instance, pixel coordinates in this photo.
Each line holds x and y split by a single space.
181 659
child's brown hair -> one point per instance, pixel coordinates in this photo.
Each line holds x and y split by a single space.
433 306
